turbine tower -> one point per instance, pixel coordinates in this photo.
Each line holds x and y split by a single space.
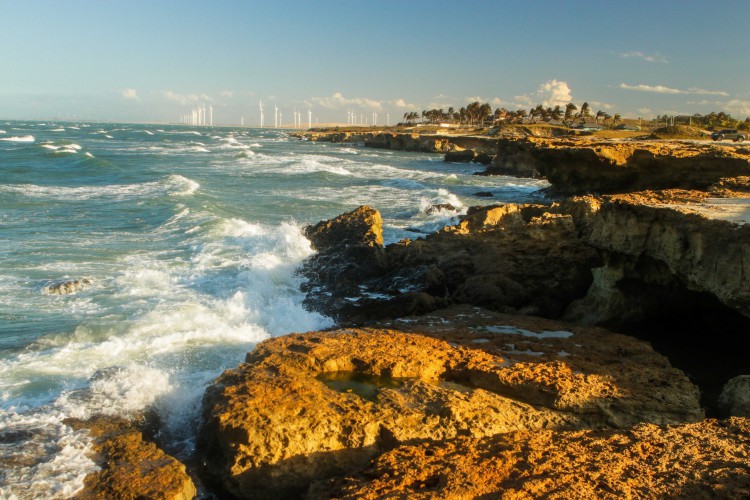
260 105
204 114
211 115
309 118
275 116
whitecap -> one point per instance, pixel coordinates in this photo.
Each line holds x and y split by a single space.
60 129
108 136
24 138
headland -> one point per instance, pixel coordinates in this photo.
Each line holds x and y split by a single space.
590 344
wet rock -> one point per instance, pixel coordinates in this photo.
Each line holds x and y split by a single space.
350 249
440 207
698 460
66 287
734 399
131 467
322 404
482 158
484 194
464 156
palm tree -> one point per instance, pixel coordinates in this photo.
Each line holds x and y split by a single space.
570 108
617 117
585 110
556 113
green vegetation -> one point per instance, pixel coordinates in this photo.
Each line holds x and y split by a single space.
477 114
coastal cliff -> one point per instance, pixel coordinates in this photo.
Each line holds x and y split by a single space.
432 383
583 166
572 165
474 360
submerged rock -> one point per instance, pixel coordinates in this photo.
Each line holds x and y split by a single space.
66 287
322 404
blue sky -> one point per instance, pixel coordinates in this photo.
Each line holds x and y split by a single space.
155 60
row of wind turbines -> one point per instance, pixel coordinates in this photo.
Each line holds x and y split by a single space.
277 117
198 117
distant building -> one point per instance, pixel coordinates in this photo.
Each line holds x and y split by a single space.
589 126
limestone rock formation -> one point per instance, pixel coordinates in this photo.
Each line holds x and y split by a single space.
350 249
310 406
669 242
131 467
705 460
510 258
579 166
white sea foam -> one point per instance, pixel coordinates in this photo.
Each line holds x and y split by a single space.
544 334
2 132
23 138
49 461
172 185
190 320
59 129
108 136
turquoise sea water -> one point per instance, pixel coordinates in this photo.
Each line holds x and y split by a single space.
191 240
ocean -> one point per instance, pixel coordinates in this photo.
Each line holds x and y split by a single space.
190 238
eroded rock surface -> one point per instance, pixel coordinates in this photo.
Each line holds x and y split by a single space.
131 467
316 405
579 166
704 460
510 258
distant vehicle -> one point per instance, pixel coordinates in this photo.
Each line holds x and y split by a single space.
732 134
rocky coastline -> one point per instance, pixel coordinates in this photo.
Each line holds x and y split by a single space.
527 351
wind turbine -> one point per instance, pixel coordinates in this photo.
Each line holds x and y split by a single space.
309 118
204 114
374 119
387 119
275 116
211 115
260 105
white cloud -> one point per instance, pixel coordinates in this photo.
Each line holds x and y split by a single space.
549 94
645 57
130 94
554 93
738 107
227 93
338 101
184 99
601 105
694 90
661 89
644 111
402 104
475 98
522 100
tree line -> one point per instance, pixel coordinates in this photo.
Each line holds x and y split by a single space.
478 114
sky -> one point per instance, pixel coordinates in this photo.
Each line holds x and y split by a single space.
156 60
